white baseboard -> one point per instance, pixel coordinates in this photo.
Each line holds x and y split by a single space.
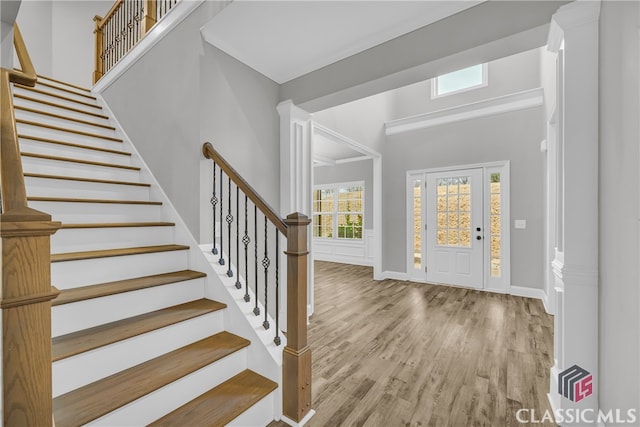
343 259
521 291
302 422
394 275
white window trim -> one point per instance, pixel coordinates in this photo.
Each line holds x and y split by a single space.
335 213
485 83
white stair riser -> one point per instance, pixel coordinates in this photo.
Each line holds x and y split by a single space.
66 124
85 368
72 274
60 135
170 397
41 147
69 212
69 318
260 414
90 239
90 142
55 99
20 102
81 189
57 91
64 168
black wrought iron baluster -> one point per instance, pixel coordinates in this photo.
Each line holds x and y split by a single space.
246 240
265 265
214 202
277 339
238 284
229 220
221 260
256 309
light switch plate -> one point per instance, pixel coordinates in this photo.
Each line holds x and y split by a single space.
521 223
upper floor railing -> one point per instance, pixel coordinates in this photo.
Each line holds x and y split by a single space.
249 237
25 288
122 27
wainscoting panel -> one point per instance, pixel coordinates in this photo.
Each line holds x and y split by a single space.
346 251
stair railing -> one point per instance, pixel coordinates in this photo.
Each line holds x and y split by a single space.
122 27
26 291
296 368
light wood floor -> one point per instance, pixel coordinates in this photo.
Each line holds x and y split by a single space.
395 353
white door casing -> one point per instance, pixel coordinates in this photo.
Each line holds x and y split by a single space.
492 217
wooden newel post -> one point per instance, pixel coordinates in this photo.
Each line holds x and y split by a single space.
150 13
26 317
296 362
98 69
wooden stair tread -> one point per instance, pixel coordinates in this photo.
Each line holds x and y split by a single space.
55 95
72 144
84 293
84 162
59 116
61 129
74 178
40 76
106 253
89 339
73 92
65 107
106 201
119 225
221 404
94 400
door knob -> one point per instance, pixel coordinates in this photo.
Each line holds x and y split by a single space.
478 237
478 229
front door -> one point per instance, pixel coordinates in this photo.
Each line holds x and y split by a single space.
454 233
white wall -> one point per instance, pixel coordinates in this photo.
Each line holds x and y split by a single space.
34 19
73 41
184 92
508 75
619 335
59 37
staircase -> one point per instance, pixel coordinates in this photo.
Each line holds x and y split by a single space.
137 337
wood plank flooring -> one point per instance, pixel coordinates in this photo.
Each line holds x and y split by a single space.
395 353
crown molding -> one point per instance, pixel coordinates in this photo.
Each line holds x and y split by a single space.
502 104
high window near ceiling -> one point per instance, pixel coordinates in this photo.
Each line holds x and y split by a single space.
338 211
459 81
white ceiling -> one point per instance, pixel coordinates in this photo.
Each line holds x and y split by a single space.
287 39
328 151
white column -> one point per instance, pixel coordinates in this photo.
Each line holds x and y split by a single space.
296 168
574 35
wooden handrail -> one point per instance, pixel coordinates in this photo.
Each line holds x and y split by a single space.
110 13
25 289
14 196
210 153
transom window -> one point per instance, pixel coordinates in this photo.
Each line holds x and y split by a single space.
338 211
459 81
